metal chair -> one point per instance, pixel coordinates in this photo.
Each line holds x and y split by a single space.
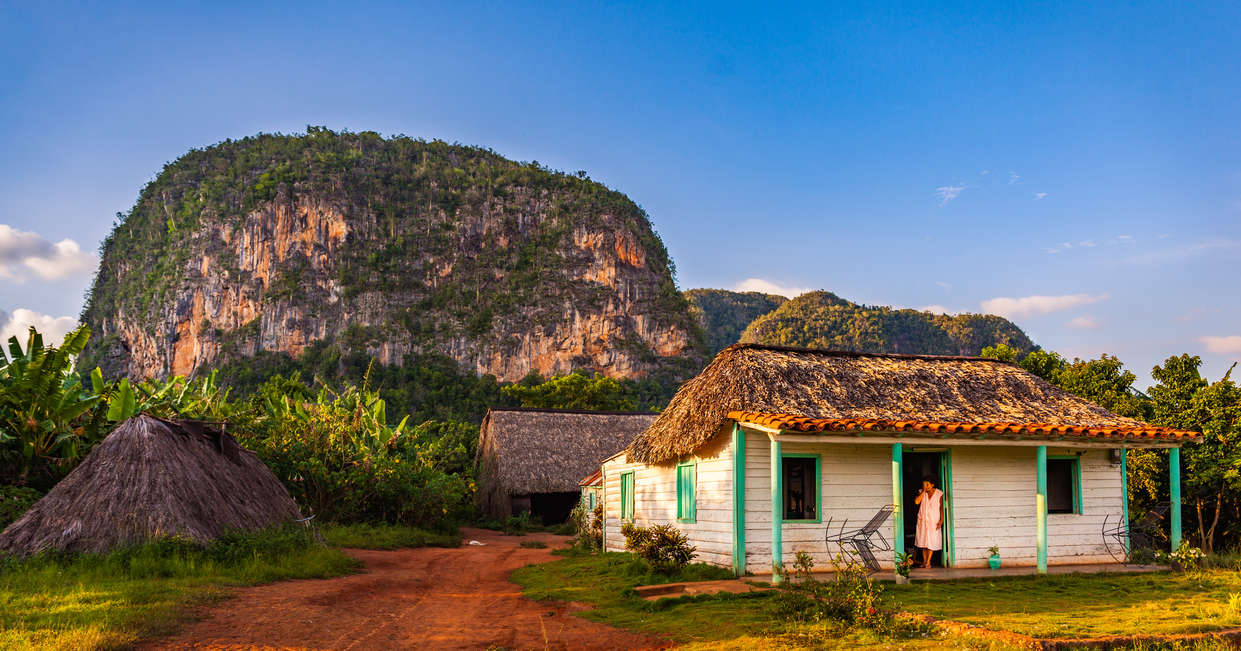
1138 539
863 540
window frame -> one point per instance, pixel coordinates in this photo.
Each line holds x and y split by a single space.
1075 474
628 504
692 517
818 487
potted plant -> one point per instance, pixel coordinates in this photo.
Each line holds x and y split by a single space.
994 560
904 565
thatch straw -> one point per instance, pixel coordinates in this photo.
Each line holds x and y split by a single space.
533 451
152 478
834 384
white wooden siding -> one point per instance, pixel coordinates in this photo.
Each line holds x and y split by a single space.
655 502
992 498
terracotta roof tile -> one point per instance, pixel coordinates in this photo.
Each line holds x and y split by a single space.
792 422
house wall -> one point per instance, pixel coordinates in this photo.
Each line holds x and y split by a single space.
993 491
655 498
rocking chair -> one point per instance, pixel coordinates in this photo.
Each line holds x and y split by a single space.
1138 539
863 540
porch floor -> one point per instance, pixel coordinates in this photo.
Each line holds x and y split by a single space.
953 573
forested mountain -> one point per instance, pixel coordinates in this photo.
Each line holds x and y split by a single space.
824 320
723 315
321 251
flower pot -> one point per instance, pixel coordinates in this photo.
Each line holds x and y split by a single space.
994 561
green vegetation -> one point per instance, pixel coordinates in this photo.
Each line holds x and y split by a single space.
724 315
112 600
823 320
581 391
385 536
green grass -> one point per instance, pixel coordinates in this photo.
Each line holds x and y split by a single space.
385 536
1086 605
111 601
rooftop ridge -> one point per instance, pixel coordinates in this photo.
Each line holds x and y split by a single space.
855 353
550 410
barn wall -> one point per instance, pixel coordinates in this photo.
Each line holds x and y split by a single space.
655 503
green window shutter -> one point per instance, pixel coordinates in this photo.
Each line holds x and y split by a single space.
627 495
686 476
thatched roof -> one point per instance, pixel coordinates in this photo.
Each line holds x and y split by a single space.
819 384
530 451
148 479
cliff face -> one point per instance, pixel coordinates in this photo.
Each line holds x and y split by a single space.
389 247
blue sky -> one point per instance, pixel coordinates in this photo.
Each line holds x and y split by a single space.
1082 162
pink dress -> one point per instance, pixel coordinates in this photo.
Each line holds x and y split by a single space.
927 536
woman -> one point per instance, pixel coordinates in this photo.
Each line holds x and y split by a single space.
928 536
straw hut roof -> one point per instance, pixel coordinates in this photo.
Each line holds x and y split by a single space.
530 451
152 478
823 384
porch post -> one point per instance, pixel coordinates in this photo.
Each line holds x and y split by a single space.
1124 494
1174 483
738 500
1040 507
777 515
898 505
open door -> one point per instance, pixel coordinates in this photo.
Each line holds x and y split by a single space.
917 464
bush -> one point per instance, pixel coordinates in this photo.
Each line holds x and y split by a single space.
588 527
664 548
850 598
14 501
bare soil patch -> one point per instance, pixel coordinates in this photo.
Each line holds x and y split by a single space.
426 598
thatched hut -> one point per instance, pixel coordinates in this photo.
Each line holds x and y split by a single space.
531 460
152 478
768 445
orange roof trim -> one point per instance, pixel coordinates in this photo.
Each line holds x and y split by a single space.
595 477
796 423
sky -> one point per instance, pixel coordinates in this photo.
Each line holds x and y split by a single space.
1074 168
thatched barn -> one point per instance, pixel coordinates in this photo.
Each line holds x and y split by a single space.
768 445
152 478
531 460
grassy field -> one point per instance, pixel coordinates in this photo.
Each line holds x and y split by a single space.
113 600
1057 606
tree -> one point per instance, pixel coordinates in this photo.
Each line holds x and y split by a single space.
575 391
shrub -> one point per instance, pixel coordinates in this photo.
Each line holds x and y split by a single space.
850 598
588 527
14 501
664 548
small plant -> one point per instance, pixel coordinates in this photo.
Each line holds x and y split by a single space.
850 598
993 550
664 548
588 525
517 525
534 544
994 561
1234 602
904 564
1186 556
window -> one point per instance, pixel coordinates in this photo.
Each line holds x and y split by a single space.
627 495
590 499
800 476
686 477
1064 485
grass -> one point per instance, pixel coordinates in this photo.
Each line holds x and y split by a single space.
1086 605
385 536
1062 606
111 601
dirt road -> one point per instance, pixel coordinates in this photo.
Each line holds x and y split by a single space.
429 598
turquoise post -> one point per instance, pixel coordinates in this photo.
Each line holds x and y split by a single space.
1174 482
1124 494
898 504
1040 508
777 515
738 500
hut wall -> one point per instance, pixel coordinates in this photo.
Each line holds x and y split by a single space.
655 499
855 480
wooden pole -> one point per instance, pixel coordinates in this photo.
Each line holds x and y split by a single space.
777 515
1174 483
898 505
738 500
1040 507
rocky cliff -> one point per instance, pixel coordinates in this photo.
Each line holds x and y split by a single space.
388 246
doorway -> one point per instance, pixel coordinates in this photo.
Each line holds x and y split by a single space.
915 465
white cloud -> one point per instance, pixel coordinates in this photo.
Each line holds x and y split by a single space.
1040 195
1014 308
28 251
943 284
936 309
1225 345
53 328
1013 177
1083 323
947 193
985 172
768 287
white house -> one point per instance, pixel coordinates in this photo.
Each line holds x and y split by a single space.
1024 465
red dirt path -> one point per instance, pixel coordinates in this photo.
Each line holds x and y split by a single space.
428 598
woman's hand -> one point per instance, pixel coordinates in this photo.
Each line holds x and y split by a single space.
939 525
